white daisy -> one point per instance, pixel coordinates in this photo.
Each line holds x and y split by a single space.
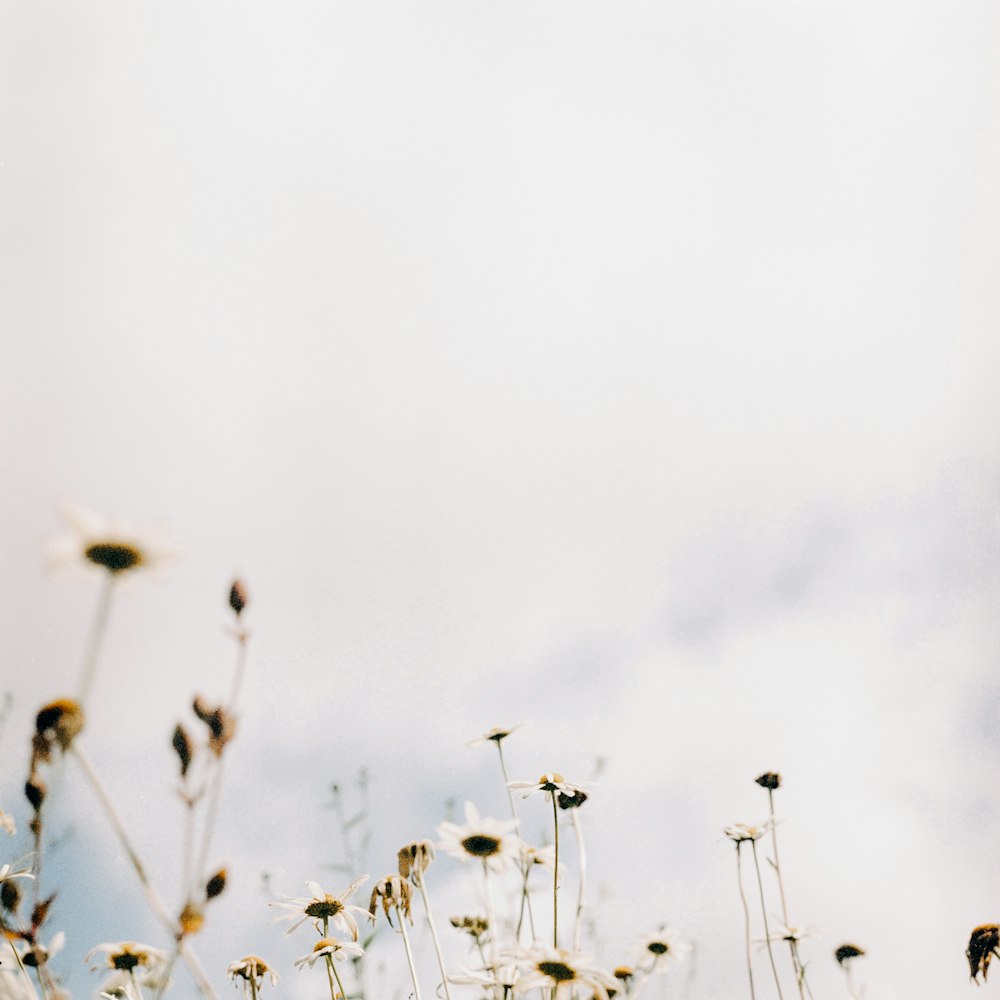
740 832
126 956
492 841
553 783
495 735
324 909
544 856
664 947
561 971
6 873
784 932
96 543
339 950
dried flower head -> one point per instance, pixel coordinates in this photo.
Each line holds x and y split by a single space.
846 952
34 791
395 893
983 945
238 597
769 779
114 546
59 721
183 747
571 801
216 885
476 927
414 859
126 956
191 919
10 895
252 969
327 946
323 908
221 725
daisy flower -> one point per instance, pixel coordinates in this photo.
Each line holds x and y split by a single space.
544 856
339 950
323 909
505 976
561 971
552 782
492 841
126 956
252 969
495 735
740 832
787 933
6 873
94 542
414 859
664 947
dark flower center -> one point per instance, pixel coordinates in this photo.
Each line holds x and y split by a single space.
658 947
481 846
126 961
558 971
113 556
323 908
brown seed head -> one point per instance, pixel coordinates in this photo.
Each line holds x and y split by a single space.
238 597
221 725
846 952
216 885
10 895
34 791
60 720
394 892
769 780
474 926
414 859
191 919
40 912
983 946
572 800
183 747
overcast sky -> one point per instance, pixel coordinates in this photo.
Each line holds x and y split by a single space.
623 369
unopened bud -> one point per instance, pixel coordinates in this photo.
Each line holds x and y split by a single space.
10 895
183 747
238 597
61 720
769 779
34 792
216 884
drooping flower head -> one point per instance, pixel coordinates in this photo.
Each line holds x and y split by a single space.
845 952
742 832
395 893
495 735
414 859
328 946
983 945
252 969
491 841
324 909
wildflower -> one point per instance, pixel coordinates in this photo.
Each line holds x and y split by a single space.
110 545
183 747
216 885
552 782
338 950
60 721
573 801
126 956
495 735
792 934
394 892
252 969
562 972
221 725
769 780
740 832
414 859
491 841
38 954
6 873
323 908
503 976
624 973
476 927
664 946
846 952
544 856
983 945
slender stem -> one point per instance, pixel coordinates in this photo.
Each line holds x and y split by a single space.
409 954
581 854
329 977
763 910
153 897
646 978
336 976
135 983
41 981
800 972
491 920
555 874
20 964
434 936
746 916
95 639
850 980
525 866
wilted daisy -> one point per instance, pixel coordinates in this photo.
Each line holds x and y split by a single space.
339 950
664 946
494 735
395 893
251 969
562 972
323 908
127 956
740 832
492 841
414 859
552 782
114 546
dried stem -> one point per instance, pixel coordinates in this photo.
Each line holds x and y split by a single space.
434 936
763 910
555 873
746 917
581 854
98 629
525 866
409 954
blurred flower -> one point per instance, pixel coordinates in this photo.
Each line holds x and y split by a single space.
6 873
846 952
741 832
340 950
7 823
573 801
474 926
125 956
561 971
252 968
665 947
322 906
491 841
544 856
60 721
495 735
394 892
414 859
504 977
769 780
238 597
552 782
983 945
114 546
786 933
38 954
